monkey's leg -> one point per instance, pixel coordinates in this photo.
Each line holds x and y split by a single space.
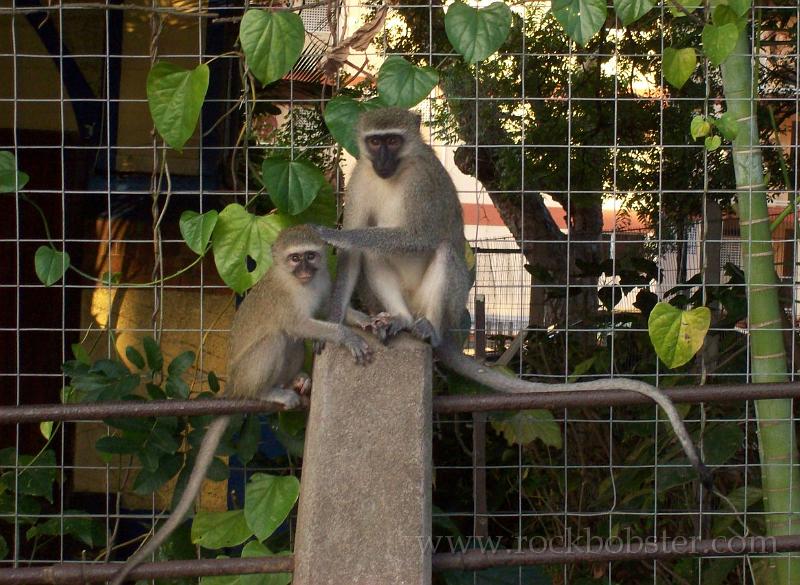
431 296
386 286
286 397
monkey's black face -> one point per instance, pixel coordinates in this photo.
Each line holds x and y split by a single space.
304 265
384 152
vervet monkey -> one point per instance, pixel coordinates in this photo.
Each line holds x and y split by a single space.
403 228
266 351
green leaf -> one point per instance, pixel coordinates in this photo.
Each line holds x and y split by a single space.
249 436
740 7
292 184
725 15
134 357
713 143
405 85
81 354
476 33
155 360
256 549
181 363
272 42
678 65
213 382
581 19
629 11
175 96
238 235
719 41
699 127
46 429
727 126
268 501
220 529
721 443
11 180
689 5
196 229
88 531
50 264
148 481
525 426
677 335
34 476
114 445
341 117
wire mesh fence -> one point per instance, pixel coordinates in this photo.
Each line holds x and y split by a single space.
586 200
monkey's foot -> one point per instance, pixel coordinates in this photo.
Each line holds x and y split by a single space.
386 326
286 397
424 330
302 384
317 346
359 347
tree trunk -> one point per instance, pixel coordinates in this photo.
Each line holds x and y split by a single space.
777 443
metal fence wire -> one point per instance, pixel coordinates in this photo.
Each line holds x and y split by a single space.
586 201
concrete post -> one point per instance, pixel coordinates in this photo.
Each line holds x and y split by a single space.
365 499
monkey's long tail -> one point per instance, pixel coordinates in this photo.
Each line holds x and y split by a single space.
452 357
204 457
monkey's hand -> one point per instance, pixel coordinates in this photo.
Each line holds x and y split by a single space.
302 384
317 346
424 330
326 233
386 326
359 347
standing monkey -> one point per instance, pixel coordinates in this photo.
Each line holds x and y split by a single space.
266 351
403 235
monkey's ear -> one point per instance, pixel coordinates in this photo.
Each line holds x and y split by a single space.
417 119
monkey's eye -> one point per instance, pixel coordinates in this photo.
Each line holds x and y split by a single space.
311 256
374 141
296 257
393 140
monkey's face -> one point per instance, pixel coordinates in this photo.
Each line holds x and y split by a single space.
385 152
303 264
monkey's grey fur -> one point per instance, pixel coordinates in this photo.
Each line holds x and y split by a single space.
266 352
403 243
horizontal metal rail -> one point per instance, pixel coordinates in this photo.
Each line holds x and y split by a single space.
473 560
441 404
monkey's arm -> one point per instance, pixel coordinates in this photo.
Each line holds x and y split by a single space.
348 268
450 355
383 240
333 332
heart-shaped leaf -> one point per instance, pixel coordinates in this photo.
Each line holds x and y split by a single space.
677 335
476 33
679 65
629 11
719 41
581 19
220 529
268 501
403 84
11 180
727 126
341 117
713 143
292 184
699 127
175 96
726 15
50 264
240 235
523 427
196 229
272 42
740 7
